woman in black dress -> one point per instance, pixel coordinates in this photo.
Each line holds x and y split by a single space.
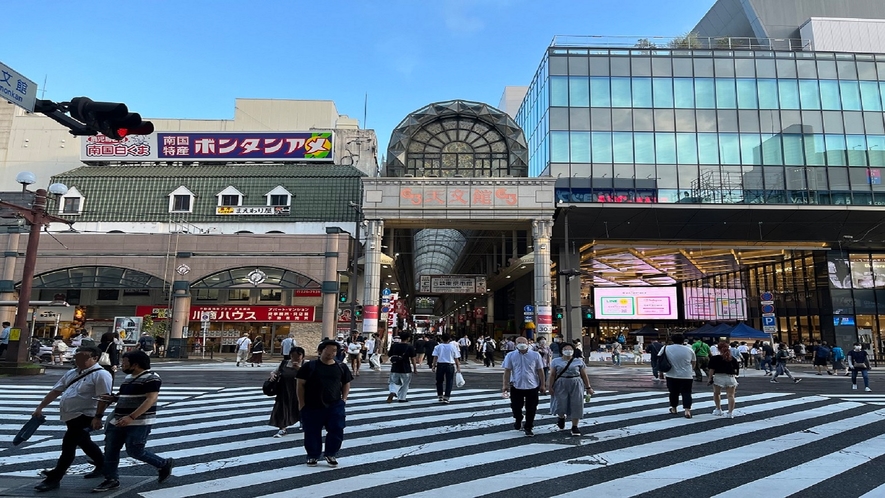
107 345
285 406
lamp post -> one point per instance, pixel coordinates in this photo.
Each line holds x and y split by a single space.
17 356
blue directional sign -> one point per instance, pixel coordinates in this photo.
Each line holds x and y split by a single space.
17 89
768 321
385 292
528 308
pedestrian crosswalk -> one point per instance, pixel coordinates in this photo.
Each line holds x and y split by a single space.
779 444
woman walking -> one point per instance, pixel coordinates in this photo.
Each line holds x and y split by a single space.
285 406
723 370
568 382
257 351
859 362
107 345
780 359
680 378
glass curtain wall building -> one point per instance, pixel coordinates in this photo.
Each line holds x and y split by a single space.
720 126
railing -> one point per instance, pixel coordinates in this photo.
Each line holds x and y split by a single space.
690 41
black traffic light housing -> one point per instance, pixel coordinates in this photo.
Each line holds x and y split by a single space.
111 119
358 310
587 312
558 312
342 297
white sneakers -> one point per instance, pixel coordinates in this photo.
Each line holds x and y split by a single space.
281 433
717 412
854 386
867 389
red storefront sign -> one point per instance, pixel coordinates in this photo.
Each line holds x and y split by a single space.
240 313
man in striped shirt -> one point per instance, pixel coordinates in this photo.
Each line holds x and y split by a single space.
131 422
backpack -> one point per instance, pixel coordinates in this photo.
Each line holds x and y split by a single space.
664 364
823 352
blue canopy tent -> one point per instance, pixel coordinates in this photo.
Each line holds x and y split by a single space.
647 331
744 331
710 330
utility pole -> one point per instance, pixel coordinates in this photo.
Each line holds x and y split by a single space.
354 282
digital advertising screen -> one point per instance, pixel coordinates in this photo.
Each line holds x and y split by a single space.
635 303
703 303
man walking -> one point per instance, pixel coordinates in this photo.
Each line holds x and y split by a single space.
445 363
402 364
488 351
131 422
524 380
76 390
4 337
822 358
768 362
322 388
702 354
244 348
286 347
464 344
653 349
145 343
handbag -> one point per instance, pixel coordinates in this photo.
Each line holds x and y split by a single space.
664 364
271 387
459 380
105 360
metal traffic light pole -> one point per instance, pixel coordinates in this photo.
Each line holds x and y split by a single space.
356 260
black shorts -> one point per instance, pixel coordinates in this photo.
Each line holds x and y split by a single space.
820 361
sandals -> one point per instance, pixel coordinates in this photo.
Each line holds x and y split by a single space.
673 410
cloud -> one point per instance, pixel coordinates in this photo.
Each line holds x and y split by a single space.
461 16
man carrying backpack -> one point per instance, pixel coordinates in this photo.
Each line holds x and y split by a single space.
402 364
822 357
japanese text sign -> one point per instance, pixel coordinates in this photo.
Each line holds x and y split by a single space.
243 313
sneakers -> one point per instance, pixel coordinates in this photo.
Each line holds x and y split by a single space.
440 399
445 400
517 424
166 470
717 412
48 485
796 381
830 372
854 386
867 389
106 485
311 462
280 433
728 415
819 373
332 461
528 432
773 381
576 431
560 422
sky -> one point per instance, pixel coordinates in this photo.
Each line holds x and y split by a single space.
378 60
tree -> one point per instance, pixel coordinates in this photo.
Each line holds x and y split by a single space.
688 40
645 43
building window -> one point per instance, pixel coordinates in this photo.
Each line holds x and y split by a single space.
230 200
71 205
202 294
279 200
108 294
230 197
181 200
181 203
238 295
271 295
279 196
71 202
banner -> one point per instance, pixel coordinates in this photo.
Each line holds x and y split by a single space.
210 146
240 313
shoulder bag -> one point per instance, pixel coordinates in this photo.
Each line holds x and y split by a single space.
664 364
271 386
105 359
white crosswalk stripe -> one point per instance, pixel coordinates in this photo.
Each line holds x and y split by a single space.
222 444
870 399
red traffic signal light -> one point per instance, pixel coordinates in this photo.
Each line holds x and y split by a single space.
111 119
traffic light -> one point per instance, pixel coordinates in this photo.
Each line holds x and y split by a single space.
358 310
342 297
587 312
558 313
111 119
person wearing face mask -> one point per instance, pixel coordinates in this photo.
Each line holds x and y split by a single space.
859 362
524 380
544 350
555 347
568 385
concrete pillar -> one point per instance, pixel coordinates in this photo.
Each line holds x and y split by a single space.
372 274
7 279
330 281
181 308
541 233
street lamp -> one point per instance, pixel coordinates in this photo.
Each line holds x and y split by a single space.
356 260
17 355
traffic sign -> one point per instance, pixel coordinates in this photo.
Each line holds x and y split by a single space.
528 308
768 321
17 89
767 309
385 292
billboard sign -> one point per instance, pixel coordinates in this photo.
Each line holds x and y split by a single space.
210 146
636 303
17 89
241 313
703 303
452 284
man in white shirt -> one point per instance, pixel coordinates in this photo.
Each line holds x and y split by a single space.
464 344
244 346
77 390
446 361
286 348
4 337
524 380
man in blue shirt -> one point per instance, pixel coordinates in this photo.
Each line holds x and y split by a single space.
524 381
4 338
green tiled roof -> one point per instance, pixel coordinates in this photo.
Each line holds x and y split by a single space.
141 193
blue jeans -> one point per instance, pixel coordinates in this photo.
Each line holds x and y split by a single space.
135 438
866 377
313 420
445 372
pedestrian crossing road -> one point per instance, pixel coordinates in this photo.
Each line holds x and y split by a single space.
780 444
